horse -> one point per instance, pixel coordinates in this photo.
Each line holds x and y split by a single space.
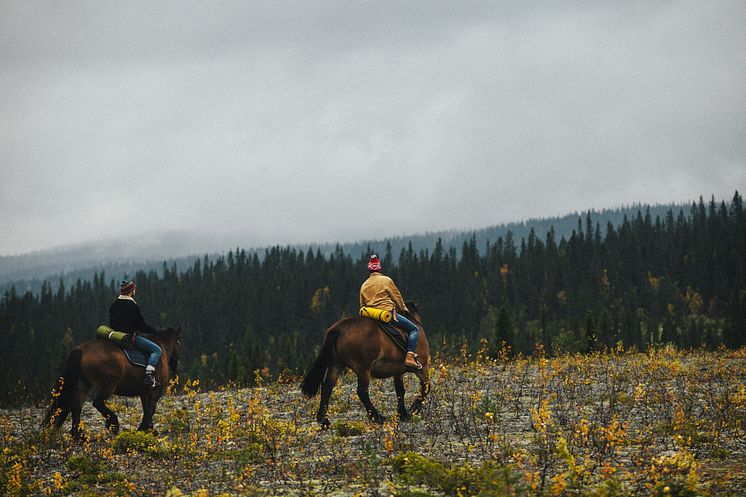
102 364
360 344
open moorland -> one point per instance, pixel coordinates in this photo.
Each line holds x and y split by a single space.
665 423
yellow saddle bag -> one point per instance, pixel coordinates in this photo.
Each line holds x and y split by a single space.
378 314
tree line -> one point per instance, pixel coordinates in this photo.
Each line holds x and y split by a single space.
676 278
29 271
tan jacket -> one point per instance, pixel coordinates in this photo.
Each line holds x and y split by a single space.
379 291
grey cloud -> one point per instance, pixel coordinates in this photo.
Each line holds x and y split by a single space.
300 120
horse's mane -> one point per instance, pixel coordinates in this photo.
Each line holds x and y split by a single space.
165 334
414 308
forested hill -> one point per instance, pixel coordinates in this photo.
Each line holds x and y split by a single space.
180 249
677 278
562 226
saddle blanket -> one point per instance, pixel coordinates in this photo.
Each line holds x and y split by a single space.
395 333
135 357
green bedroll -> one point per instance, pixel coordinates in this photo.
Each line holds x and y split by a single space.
119 337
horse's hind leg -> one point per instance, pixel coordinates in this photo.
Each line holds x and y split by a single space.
112 421
424 377
59 416
75 409
401 408
363 381
332 375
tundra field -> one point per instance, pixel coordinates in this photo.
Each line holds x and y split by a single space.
663 423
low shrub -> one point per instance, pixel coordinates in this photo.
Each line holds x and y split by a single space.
348 428
251 454
87 471
138 441
486 480
180 421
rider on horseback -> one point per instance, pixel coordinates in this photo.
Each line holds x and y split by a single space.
380 292
125 315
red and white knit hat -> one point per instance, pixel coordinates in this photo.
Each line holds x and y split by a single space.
374 264
126 287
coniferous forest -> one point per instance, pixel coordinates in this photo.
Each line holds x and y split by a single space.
647 281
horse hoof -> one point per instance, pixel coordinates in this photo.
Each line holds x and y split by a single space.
325 424
79 437
404 416
112 424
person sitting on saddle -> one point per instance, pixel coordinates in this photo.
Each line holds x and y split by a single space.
125 316
380 292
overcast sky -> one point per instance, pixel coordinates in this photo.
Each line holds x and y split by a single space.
305 121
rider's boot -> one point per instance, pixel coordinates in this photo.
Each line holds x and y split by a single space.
411 361
149 378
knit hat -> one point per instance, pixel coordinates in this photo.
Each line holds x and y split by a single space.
374 264
126 287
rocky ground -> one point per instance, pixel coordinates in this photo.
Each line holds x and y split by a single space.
663 423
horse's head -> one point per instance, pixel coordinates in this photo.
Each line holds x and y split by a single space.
171 337
414 311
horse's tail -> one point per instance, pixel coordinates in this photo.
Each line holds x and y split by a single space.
314 377
64 391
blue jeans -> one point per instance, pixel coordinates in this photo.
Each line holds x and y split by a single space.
147 347
412 330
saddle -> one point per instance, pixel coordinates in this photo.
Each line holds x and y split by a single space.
136 357
383 319
398 336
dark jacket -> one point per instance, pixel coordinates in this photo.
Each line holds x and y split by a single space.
125 315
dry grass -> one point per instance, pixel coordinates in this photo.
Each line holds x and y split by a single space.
618 423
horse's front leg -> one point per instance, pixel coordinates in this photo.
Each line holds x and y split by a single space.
363 382
424 377
332 375
149 401
401 408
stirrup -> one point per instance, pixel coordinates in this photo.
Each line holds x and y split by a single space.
149 380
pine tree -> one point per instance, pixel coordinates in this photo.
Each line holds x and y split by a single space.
504 328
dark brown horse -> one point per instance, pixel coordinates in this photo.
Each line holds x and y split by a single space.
361 345
103 365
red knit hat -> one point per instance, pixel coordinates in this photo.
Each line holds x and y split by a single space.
374 264
126 287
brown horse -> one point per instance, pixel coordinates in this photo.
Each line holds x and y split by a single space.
361 345
102 364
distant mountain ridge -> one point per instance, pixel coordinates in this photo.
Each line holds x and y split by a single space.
26 272
114 257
